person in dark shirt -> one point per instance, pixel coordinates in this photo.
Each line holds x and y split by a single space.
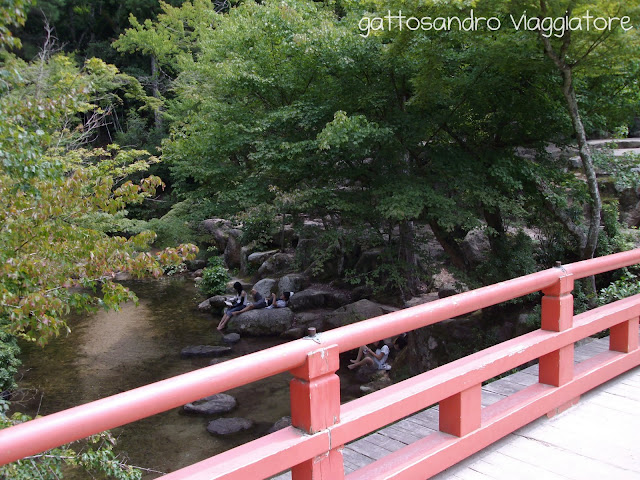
258 302
237 305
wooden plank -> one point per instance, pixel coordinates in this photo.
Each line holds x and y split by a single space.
562 461
504 386
489 398
366 447
415 427
385 441
505 467
355 459
401 434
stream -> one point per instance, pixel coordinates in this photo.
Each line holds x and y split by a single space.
110 352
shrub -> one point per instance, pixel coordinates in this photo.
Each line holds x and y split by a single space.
259 226
215 277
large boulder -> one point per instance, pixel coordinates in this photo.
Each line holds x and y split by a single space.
280 262
212 405
218 231
355 312
261 322
233 249
265 287
368 261
256 259
313 299
475 246
294 282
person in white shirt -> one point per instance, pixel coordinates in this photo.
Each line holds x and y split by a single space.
377 359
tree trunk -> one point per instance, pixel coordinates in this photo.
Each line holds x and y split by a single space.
450 244
407 254
155 86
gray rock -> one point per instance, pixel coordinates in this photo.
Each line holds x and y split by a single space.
218 231
312 318
280 262
233 249
476 246
421 299
212 405
228 426
258 258
295 333
231 338
368 261
313 299
205 306
204 351
284 422
262 322
217 302
355 312
286 240
265 286
293 282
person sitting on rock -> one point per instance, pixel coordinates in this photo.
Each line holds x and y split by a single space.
280 302
377 359
258 302
238 303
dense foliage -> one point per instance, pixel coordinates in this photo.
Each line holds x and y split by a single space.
276 112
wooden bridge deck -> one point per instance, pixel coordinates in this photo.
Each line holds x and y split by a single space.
593 440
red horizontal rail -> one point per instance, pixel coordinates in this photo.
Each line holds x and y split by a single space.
358 417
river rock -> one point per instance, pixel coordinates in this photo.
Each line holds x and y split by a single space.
262 322
218 230
213 303
312 318
421 299
279 262
231 338
212 405
265 286
228 426
284 422
314 299
355 312
258 258
233 249
204 351
294 282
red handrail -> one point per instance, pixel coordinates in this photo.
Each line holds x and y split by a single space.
314 361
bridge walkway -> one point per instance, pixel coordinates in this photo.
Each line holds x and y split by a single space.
595 439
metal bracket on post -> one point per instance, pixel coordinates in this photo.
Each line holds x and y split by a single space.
556 368
315 406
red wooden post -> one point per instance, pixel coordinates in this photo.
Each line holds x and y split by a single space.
315 406
624 336
461 413
556 368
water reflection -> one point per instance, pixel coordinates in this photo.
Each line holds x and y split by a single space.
110 352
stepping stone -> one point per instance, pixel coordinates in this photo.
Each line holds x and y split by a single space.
204 351
212 405
231 338
228 426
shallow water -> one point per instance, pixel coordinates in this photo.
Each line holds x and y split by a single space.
110 352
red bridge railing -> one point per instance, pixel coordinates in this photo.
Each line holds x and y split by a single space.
312 447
